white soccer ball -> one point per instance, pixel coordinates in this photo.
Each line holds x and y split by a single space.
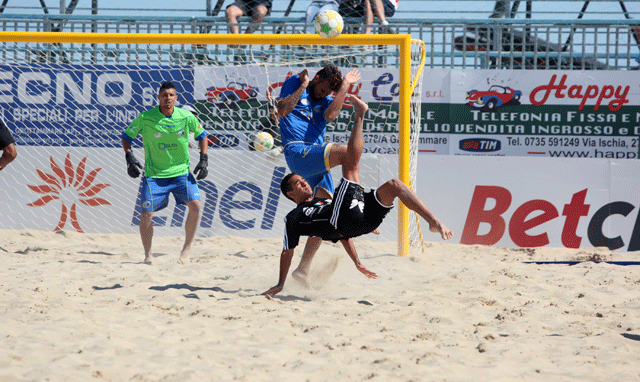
329 24
263 141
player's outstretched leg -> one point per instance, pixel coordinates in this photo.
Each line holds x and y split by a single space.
396 188
355 146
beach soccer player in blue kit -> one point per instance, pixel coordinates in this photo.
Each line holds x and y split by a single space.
305 107
351 213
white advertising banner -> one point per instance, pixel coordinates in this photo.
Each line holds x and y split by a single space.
506 202
534 113
532 202
88 190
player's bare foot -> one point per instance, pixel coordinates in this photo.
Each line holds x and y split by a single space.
302 278
359 106
376 231
148 260
438 227
184 256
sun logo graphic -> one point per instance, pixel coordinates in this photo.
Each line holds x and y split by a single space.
70 186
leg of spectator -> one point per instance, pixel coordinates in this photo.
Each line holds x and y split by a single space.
312 12
257 15
232 13
368 16
378 10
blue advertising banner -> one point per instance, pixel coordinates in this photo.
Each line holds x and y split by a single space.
86 106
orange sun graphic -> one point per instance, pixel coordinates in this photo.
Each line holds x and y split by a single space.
73 185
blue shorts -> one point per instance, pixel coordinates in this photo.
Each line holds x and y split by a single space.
310 162
155 191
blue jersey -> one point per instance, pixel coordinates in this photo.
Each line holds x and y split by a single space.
306 122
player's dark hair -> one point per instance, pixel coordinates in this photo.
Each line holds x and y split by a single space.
167 85
285 187
333 75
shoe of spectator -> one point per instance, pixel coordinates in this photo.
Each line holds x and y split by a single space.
387 29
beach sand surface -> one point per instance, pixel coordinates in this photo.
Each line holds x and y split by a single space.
83 307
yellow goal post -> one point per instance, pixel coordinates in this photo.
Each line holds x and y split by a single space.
409 61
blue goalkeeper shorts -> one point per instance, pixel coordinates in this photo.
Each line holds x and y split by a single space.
310 162
155 191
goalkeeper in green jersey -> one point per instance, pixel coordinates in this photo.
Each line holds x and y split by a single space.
165 137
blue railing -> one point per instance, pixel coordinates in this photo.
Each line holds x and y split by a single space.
571 44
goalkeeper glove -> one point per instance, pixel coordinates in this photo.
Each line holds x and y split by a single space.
201 169
132 163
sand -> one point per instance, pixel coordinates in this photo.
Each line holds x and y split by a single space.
83 307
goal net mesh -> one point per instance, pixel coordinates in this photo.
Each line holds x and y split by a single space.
68 103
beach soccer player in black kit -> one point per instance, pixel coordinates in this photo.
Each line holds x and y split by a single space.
352 212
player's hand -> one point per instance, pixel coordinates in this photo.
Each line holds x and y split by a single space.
201 170
366 272
304 78
133 166
352 77
273 291
444 232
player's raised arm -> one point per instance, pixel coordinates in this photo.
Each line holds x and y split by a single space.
285 263
334 108
289 102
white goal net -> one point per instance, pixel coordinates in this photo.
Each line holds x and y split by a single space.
67 104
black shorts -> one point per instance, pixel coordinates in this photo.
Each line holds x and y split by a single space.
5 136
351 8
389 9
247 6
356 212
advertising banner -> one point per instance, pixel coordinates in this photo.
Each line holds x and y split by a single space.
82 189
537 113
534 202
514 202
81 106
234 103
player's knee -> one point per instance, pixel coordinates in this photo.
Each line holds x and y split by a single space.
261 11
232 13
145 218
194 205
396 185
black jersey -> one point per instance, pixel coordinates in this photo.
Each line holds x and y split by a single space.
5 136
309 219
353 213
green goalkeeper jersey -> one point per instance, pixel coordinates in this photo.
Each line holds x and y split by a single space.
165 141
